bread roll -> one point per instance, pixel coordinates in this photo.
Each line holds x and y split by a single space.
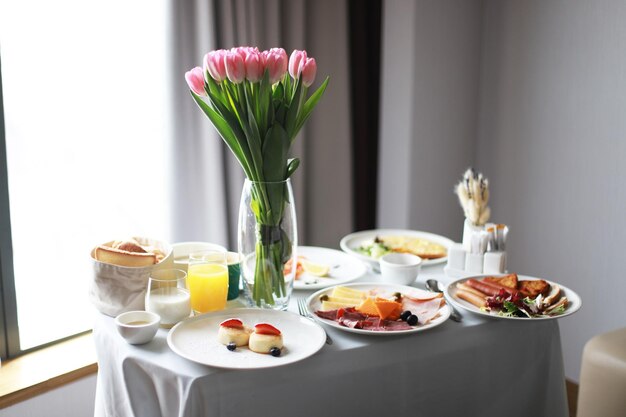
122 257
129 246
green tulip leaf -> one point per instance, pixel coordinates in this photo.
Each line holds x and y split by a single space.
293 109
310 105
275 148
225 131
292 165
285 244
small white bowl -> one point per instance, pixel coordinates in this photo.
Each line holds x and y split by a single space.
137 327
400 268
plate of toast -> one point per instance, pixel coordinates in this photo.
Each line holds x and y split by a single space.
513 297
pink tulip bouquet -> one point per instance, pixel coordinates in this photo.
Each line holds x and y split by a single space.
258 102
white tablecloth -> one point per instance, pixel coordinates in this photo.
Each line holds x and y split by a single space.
478 367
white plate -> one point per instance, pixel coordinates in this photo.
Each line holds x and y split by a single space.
196 339
450 293
313 304
351 242
343 268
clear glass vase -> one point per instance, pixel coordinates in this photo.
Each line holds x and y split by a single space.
267 239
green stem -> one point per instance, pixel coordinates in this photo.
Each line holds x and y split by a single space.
269 279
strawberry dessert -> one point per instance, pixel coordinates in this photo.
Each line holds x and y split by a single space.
233 333
266 339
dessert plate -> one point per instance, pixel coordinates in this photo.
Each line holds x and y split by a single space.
195 339
450 291
314 304
343 268
353 241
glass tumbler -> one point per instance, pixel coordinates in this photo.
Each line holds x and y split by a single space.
207 280
168 296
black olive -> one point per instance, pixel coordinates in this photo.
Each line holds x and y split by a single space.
275 351
231 346
412 320
405 315
324 297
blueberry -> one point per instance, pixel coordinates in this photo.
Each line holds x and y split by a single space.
231 346
275 351
411 320
405 315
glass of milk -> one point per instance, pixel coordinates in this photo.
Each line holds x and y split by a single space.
167 296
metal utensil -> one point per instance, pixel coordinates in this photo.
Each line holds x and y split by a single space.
304 312
433 285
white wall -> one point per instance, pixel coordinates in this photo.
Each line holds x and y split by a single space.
429 113
533 94
553 143
75 399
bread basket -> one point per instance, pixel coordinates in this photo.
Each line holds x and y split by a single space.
116 289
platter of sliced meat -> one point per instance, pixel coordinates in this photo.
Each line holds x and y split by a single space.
378 309
513 297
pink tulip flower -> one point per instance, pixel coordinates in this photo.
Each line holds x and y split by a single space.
254 66
276 62
240 50
214 64
195 80
309 69
297 57
244 51
235 67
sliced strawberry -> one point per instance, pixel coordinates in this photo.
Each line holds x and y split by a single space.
266 328
233 323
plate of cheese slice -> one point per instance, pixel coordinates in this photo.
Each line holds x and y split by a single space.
378 309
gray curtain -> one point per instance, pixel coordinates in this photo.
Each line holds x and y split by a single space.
208 179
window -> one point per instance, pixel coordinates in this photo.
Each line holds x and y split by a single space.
84 97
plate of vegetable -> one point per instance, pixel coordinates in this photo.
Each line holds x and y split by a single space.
370 245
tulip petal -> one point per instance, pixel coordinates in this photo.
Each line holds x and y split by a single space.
195 80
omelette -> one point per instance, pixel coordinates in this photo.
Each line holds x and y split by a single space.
423 248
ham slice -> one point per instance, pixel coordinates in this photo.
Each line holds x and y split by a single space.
378 325
396 325
425 310
373 323
349 317
417 294
328 315
353 324
414 294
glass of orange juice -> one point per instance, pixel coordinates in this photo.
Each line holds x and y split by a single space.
207 280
